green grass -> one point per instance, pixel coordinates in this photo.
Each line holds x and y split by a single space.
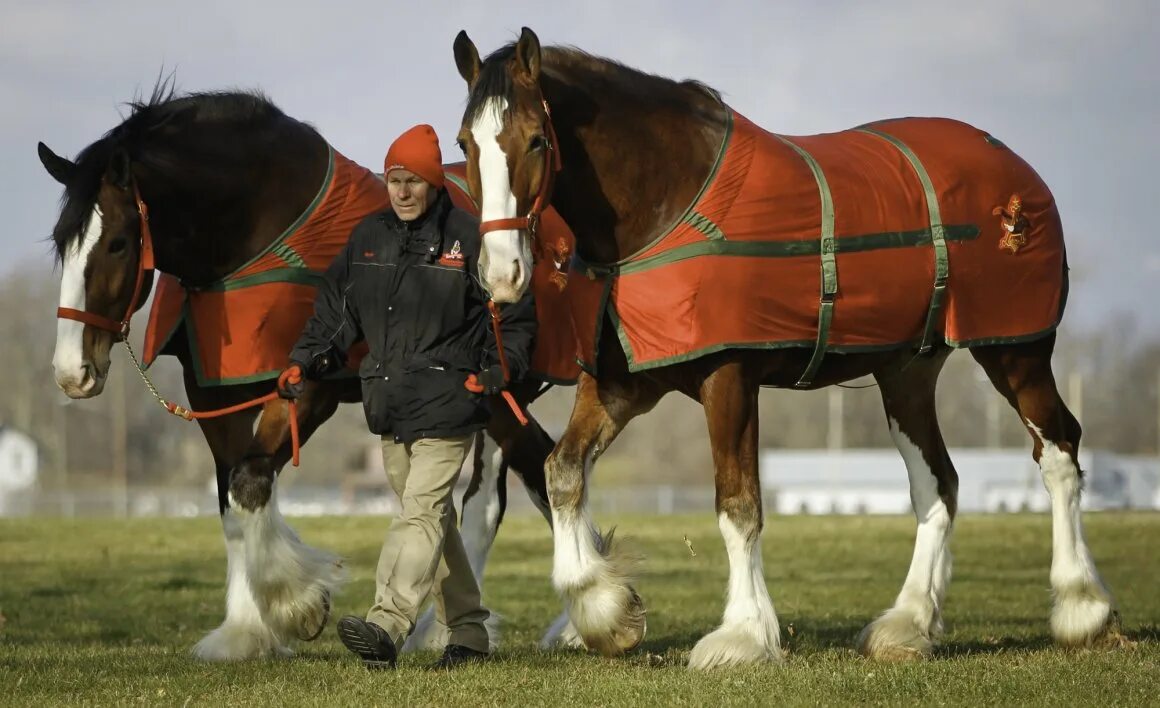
104 612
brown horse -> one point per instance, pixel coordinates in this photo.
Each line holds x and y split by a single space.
629 153
215 180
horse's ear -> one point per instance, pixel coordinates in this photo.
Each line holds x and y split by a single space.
528 54
466 58
60 168
120 171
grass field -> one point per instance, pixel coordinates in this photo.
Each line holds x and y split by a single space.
101 612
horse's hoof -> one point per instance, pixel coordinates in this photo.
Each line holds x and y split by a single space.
304 635
629 634
1112 636
636 624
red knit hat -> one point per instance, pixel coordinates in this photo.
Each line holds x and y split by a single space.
417 150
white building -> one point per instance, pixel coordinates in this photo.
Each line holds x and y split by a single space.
874 481
19 461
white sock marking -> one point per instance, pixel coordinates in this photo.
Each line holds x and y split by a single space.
1082 603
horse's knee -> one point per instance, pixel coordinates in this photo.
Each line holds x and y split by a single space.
223 489
252 483
565 480
744 513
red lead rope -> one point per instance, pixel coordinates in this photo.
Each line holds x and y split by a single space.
472 384
187 414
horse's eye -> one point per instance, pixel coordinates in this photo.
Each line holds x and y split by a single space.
117 245
538 142
462 146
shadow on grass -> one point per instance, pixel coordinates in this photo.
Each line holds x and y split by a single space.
1148 633
842 636
992 645
185 583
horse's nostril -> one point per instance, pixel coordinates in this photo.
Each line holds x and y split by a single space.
90 377
516 273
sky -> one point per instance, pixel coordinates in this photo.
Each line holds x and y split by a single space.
1073 87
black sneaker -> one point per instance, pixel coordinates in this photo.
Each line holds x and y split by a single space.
370 641
456 655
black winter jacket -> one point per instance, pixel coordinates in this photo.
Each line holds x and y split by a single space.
410 290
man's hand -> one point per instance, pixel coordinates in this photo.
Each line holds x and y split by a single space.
291 382
491 380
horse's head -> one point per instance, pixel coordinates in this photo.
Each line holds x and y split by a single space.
506 136
98 240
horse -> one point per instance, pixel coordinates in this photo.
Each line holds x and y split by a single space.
888 246
202 187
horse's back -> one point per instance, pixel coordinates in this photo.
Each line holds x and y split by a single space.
743 267
995 293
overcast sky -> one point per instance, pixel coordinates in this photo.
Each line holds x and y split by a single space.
1071 86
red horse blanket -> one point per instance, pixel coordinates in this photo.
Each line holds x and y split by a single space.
242 329
894 233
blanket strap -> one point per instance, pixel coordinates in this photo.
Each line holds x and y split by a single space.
829 275
937 238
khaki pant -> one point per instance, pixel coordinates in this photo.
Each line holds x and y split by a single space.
423 552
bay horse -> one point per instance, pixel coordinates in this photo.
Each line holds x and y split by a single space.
208 182
658 181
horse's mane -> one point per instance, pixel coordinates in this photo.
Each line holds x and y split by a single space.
574 66
137 136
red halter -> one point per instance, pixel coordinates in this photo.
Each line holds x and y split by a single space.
551 166
144 264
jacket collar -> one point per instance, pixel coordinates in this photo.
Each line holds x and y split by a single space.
422 235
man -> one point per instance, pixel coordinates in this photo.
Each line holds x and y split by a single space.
406 284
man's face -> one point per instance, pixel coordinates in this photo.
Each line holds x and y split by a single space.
410 194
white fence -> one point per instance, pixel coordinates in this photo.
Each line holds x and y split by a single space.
793 482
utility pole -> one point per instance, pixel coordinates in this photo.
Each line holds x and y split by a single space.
1075 394
120 442
835 437
60 439
993 410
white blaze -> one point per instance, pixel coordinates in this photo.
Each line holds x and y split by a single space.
502 250
68 358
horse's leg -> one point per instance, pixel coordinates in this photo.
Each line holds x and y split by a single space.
243 634
525 451
292 582
909 629
525 448
587 571
529 466
1084 610
749 630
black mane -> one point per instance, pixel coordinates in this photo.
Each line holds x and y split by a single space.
143 138
572 65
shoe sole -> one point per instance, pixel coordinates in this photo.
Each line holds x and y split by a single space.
361 640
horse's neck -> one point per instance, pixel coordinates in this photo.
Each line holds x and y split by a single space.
629 170
207 233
